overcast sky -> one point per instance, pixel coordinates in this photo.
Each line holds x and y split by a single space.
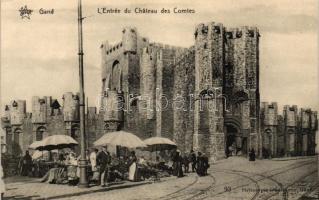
39 56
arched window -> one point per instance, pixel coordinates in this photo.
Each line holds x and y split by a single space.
116 76
39 133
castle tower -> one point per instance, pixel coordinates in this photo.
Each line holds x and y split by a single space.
269 117
291 129
241 88
208 113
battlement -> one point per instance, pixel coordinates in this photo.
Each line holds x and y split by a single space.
209 29
241 32
114 48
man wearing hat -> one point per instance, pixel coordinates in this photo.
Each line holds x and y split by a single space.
103 160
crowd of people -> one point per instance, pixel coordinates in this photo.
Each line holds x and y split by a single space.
105 168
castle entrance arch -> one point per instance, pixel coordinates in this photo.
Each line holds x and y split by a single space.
235 142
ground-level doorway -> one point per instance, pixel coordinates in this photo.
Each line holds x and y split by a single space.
235 142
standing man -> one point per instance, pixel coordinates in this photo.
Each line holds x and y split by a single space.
193 160
103 160
25 164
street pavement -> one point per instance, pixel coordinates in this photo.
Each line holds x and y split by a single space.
232 178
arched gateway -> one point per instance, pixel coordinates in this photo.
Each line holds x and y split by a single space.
235 140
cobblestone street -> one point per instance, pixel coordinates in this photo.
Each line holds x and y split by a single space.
233 178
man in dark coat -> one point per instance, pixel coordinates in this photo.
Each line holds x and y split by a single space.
103 160
193 160
25 164
186 163
206 163
252 155
178 164
202 164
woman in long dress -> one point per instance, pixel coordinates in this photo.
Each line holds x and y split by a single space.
72 169
95 171
132 167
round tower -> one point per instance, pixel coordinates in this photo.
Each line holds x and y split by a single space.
114 105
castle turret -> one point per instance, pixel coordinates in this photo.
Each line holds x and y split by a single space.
291 122
209 63
269 122
71 107
40 109
312 138
129 39
305 130
113 115
17 112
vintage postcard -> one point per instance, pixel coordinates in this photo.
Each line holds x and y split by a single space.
159 100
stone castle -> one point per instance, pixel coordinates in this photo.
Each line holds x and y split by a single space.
205 98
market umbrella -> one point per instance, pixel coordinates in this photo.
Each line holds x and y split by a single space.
39 154
57 142
36 145
159 143
120 138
